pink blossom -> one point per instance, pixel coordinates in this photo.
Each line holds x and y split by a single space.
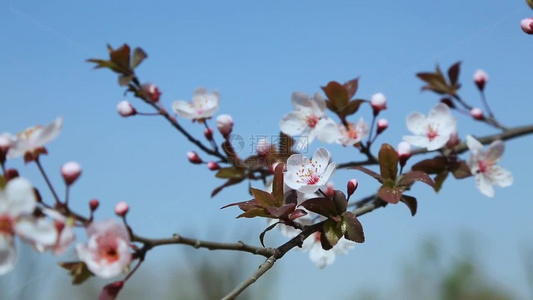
107 251
203 105
481 78
378 103
225 124
527 25
125 109
70 172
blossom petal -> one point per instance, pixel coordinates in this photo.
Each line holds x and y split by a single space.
327 131
417 123
109 225
40 233
439 112
495 151
474 145
183 109
295 162
321 157
302 102
327 173
343 245
501 177
321 257
418 141
48 133
484 184
8 254
19 147
437 142
20 197
293 123
319 107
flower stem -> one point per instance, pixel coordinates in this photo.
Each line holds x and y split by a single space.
52 190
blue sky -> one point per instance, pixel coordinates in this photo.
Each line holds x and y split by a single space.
257 54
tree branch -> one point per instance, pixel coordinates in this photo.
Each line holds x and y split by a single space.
269 263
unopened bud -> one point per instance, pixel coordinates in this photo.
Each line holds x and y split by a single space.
481 78
213 166
527 25
125 109
352 186
477 113
330 190
382 125
193 157
404 152
70 172
225 125
11 174
208 133
122 208
151 92
93 204
263 147
110 291
378 102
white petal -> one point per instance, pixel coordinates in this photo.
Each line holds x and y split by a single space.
295 162
208 111
308 243
327 131
40 233
321 157
501 177
183 109
439 113
319 105
48 133
8 254
308 189
418 141
321 257
293 123
109 226
343 245
291 180
484 185
327 173
437 142
474 145
417 123
495 150
19 147
20 197
301 101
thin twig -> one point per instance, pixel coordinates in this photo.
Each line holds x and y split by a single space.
269 263
43 173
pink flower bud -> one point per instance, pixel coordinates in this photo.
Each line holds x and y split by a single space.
330 190
110 291
70 172
151 92
477 113
225 125
262 147
404 151
93 204
193 157
352 186
527 25
11 174
481 78
378 102
208 133
122 208
213 166
382 125
125 109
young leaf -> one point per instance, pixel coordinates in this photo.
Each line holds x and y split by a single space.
265 199
285 146
431 166
78 270
262 235
138 56
390 194
388 161
354 229
369 172
230 172
351 87
285 210
321 206
337 95
121 59
410 177
439 180
331 232
351 108
340 202
277 184
254 212
453 73
297 213
231 181
461 170
411 203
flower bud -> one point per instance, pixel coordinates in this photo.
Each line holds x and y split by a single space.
70 172
404 152
122 208
352 186
527 25
481 78
213 166
225 125
151 92
330 190
93 204
382 125
110 291
378 103
262 147
11 174
125 109
193 157
208 133
477 113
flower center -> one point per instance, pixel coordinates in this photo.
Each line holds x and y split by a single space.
6 225
309 174
110 254
484 166
26 133
432 133
312 120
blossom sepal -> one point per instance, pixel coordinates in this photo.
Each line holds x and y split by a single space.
78 271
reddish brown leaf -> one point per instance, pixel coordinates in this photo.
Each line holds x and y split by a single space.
411 203
265 199
354 229
388 162
337 95
461 170
410 177
351 87
431 166
321 206
277 184
453 72
369 172
390 195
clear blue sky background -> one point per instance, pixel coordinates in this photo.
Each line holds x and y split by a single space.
256 54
